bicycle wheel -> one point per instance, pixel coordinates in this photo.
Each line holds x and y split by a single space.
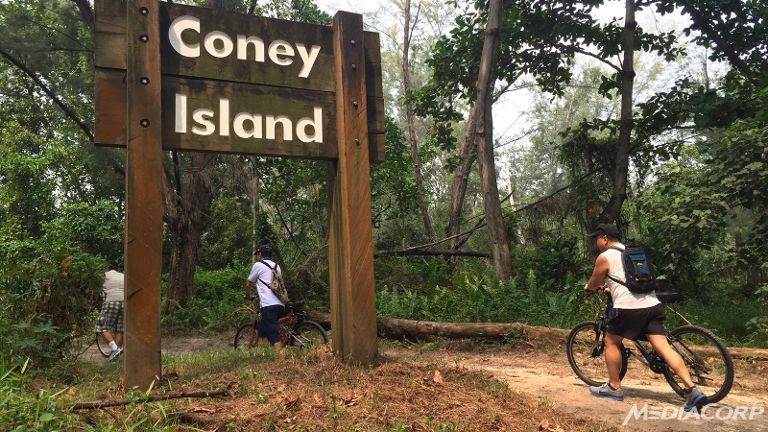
308 334
102 345
707 360
247 336
585 347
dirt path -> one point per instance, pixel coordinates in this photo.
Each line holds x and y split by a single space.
547 376
544 374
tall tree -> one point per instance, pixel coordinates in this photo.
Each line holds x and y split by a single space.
621 161
482 112
411 121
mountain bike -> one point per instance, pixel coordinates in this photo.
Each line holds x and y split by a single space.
295 329
706 357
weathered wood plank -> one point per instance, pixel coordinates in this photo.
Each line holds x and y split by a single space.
110 107
144 204
353 293
110 124
261 100
111 54
109 34
230 68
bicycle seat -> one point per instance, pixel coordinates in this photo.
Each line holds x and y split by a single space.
668 297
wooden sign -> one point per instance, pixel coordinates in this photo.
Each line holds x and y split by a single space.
275 80
178 77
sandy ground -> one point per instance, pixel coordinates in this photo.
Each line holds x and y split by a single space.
544 373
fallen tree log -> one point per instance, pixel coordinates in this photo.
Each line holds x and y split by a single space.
104 403
401 328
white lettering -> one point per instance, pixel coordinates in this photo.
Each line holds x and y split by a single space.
258 48
307 58
316 124
280 48
668 413
239 125
756 411
285 122
181 114
202 117
636 413
177 27
224 117
728 413
210 44
740 411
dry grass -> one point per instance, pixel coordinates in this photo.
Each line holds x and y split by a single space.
314 392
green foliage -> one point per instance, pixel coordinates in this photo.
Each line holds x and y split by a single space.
480 297
24 409
47 290
758 325
217 294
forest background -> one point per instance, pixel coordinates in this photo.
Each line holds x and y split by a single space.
655 119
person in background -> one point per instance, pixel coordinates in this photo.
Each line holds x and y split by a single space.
111 317
271 307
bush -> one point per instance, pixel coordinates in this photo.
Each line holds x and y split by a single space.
483 298
47 290
217 294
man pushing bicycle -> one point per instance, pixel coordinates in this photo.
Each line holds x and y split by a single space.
634 314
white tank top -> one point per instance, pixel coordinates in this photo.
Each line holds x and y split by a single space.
622 297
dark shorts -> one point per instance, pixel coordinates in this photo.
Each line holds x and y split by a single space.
633 323
268 327
110 318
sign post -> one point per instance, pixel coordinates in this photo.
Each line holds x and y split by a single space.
350 242
177 77
144 204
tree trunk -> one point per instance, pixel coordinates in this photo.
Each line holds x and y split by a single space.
411 120
483 109
621 162
187 216
460 180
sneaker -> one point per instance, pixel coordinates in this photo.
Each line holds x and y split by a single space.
607 392
115 353
694 399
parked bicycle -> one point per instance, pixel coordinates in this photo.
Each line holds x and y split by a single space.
295 329
706 357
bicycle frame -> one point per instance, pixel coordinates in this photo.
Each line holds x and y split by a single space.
649 358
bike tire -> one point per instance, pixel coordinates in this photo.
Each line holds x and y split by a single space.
585 346
102 345
246 336
700 367
308 334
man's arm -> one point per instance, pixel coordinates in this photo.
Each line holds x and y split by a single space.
598 274
248 288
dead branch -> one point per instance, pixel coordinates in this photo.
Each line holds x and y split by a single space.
104 403
430 252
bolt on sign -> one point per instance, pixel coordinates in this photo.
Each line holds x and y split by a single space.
177 77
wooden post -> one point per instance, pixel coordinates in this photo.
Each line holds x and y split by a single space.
350 243
144 206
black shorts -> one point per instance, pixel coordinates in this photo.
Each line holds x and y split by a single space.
633 323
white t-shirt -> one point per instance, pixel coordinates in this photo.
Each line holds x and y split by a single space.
114 286
622 297
261 275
